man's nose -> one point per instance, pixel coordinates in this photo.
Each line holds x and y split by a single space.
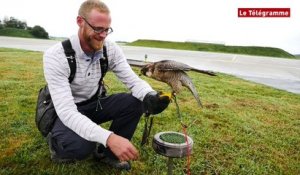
103 34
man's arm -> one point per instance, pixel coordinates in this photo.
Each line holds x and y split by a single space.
119 65
153 102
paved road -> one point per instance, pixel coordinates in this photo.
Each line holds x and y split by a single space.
275 72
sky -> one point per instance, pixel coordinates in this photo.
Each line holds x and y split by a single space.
212 21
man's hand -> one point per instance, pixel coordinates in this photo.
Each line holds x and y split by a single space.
155 103
122 148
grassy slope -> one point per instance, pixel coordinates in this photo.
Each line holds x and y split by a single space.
244 128
248 50
16 33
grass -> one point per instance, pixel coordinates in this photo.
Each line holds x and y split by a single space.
247 50
244 128
16 32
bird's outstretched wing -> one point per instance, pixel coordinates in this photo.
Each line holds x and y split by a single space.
170 65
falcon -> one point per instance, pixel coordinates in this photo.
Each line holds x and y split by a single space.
173 73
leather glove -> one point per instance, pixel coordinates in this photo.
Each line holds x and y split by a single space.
155 103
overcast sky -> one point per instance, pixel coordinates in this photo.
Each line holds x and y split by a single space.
173 20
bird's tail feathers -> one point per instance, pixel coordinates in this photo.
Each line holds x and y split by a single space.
205 72
187 82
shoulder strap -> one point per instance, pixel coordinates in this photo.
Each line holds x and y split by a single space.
70 54
103 64
104 68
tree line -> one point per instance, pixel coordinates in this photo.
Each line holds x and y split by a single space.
11 22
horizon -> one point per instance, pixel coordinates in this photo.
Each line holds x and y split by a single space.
213 21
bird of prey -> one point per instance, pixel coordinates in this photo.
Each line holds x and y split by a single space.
173 73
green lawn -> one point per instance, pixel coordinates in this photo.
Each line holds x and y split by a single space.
243 128
247 50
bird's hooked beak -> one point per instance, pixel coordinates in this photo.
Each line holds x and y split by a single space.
143 71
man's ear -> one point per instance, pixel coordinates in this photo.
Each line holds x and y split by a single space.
79 21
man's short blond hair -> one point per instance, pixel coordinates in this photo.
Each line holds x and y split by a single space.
88 5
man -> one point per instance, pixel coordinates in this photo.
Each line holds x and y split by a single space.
76 132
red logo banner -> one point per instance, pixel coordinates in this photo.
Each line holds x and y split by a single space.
264 12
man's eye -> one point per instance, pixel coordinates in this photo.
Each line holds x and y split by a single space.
100 29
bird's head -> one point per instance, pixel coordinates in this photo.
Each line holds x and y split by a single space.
147 70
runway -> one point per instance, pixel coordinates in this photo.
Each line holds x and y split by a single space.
275 72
